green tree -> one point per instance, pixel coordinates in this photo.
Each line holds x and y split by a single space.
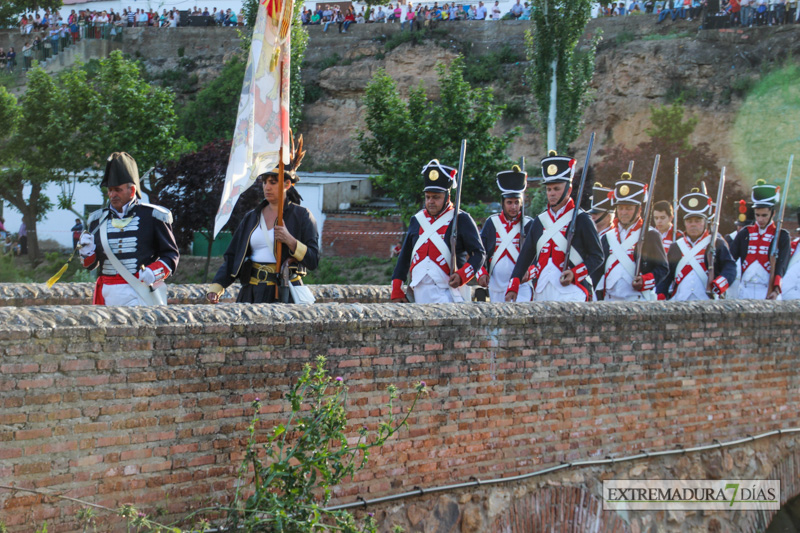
36 141
212 115
129 114
402 136
10 10
669 126
559 75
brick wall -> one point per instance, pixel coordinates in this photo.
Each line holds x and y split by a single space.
351 235
149 405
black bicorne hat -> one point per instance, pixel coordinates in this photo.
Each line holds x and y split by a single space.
438 177
557 168
512 183
121 168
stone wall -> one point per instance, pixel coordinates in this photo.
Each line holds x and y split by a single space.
150 405
36 294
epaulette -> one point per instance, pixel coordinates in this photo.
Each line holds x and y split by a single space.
161 213
95 216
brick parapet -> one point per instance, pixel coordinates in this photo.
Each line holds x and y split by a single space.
130 405
37 294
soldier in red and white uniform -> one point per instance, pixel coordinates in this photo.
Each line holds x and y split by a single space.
688 271
500 236
543 254
663 220
753 245
618 280
602 211
426 254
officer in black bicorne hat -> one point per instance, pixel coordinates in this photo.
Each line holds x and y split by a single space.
753 243
139 238
619 280
426 255
500 235
556 277
688 269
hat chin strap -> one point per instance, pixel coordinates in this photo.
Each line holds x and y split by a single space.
565 194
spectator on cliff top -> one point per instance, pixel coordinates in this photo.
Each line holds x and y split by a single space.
380 15
480 12
516 10
496 13
345 21
409 18
130 17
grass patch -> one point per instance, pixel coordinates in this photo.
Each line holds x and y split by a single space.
487 68
624 37
350 270
311 93
667 37
328 62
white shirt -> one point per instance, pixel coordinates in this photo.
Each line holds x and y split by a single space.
263 248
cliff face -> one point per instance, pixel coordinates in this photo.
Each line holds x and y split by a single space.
639 65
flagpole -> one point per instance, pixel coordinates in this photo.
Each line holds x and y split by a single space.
279 222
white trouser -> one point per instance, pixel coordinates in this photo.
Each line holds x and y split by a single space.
428 292
524 295
122 294
549 288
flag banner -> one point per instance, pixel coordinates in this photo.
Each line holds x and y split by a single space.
262 121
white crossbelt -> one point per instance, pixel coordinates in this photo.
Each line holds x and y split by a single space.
619 251
431 232
690 257
795 258
552 232
506 242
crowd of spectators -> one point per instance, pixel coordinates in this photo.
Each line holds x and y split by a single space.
408 15
745 13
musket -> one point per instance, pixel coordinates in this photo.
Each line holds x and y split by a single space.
457 207
646 218
571 233
522 205
711 251
630 167
675 203
774 247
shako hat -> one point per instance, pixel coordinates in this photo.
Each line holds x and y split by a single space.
557 168
512 183
295 158
696 204
121 168
764 195
628 191
601 199
438 177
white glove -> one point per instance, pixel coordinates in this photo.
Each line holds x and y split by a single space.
147 276
87 245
